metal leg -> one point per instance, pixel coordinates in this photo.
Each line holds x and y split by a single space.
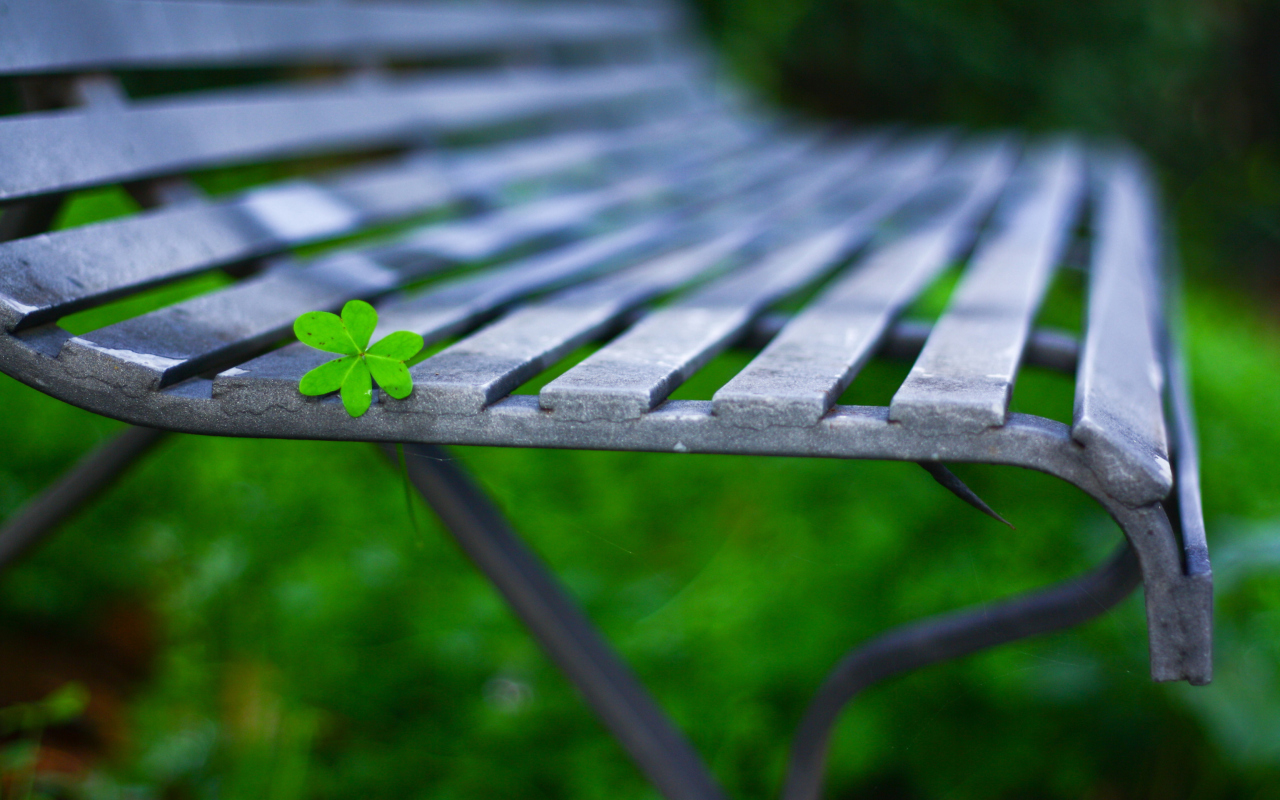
625 707
90 476
949 636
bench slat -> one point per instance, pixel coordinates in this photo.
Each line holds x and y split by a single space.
174 343
184 339
1119 413
638 370
488 365
41 36
65 150
691 174
964 377
481 238
47 276
801 374
453 306
491 363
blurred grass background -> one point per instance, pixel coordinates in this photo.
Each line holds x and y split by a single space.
260 619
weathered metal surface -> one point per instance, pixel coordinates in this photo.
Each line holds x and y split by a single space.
64 35
1119 408
55 151
643 366
488 365
964 378
181 340
54 274
173 343
801 374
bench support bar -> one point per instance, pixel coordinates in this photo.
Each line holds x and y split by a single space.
568 637
630 712
946 637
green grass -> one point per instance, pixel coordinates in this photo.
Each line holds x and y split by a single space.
317 645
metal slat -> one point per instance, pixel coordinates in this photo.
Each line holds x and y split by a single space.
801 374
483 237
964 378
635 372
491 363
64 150
71 35
456 305
47 276
447 309
1119 414
179 341
174 343
694 173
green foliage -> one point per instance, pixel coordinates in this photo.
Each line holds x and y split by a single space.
361 365
62 705
319 647
1191 82
24 724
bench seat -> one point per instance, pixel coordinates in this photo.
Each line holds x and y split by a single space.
529 180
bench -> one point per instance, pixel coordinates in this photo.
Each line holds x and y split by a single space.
516 181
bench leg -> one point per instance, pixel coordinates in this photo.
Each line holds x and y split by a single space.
74 489
948 636
632 715
563 631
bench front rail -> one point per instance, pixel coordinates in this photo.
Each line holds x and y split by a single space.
544 177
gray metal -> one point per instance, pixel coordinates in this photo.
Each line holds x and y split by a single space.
64 35
801 374
260 399
447 309
105 464
451 307
174 343
964 378
490 364
1184 504
640 369
1119 409
269 406
57 151
1049 348
44 277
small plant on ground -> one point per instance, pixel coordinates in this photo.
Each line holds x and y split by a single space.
353 374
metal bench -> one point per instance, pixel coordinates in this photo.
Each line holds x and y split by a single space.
602 187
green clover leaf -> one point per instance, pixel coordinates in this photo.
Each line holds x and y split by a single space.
353 374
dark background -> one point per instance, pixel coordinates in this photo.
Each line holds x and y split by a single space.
1195 83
